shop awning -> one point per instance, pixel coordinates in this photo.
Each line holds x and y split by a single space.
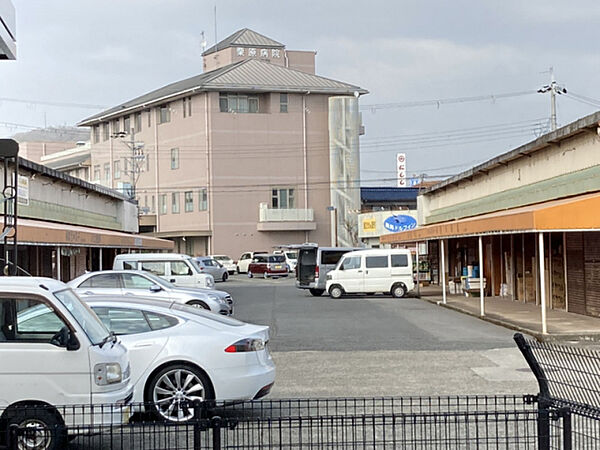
38 232
568 214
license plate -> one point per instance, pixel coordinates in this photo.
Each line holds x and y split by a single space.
278 267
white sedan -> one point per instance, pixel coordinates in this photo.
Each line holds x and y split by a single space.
226 262
180 354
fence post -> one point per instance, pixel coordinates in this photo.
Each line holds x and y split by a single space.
538 372
12 437
544 400
197 425
567 429
543 425
216 423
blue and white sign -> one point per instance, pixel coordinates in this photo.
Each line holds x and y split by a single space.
399 222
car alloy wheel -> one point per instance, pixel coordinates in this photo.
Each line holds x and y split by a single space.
398 291
175 390
336 292
35 435
250 274
198 304
39 428
265 275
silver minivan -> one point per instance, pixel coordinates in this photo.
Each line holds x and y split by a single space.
314 263
212 267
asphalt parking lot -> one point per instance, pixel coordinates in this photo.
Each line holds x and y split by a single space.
377 346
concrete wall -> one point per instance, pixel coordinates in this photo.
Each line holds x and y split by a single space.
58 201
515 183
301 60
34 151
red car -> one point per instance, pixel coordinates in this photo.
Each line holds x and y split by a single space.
268 266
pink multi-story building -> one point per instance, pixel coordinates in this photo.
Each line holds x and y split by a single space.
255 152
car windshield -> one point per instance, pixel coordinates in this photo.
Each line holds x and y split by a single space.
276 258
222 258
291 255
85 317
207 315
196 265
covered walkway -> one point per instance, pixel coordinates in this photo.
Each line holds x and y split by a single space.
519 316
556 268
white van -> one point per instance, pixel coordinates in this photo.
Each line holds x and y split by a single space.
55 353
179 269
371 271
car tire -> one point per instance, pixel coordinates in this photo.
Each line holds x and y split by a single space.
225 276
167 378
198 304
398 290
237 269
336 291
316 292
266 276
250 274
52 434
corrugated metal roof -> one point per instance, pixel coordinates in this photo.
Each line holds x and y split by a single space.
247 75
244 38
388 194
255 74
75 160
165 92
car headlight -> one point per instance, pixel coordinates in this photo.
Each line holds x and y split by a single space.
107 373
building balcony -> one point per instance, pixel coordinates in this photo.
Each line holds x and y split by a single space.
288 219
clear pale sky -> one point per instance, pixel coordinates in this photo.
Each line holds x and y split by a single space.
105 52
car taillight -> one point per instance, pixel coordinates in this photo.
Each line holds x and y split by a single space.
246 345
316 272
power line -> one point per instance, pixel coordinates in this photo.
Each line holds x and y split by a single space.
50 103
445 101
583 99
369 146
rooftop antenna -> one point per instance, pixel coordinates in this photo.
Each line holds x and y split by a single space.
216 40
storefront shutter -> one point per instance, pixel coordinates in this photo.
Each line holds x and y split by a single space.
591 253
575 273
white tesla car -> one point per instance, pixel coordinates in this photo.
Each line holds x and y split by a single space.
180 354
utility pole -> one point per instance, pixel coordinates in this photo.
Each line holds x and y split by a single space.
554 89
136 159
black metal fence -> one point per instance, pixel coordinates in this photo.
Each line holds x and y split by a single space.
477 422
564 415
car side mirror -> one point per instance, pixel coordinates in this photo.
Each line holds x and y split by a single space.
341 267
72 342
65 338
155 288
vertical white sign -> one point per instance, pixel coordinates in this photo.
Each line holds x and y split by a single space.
401 168
23 190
